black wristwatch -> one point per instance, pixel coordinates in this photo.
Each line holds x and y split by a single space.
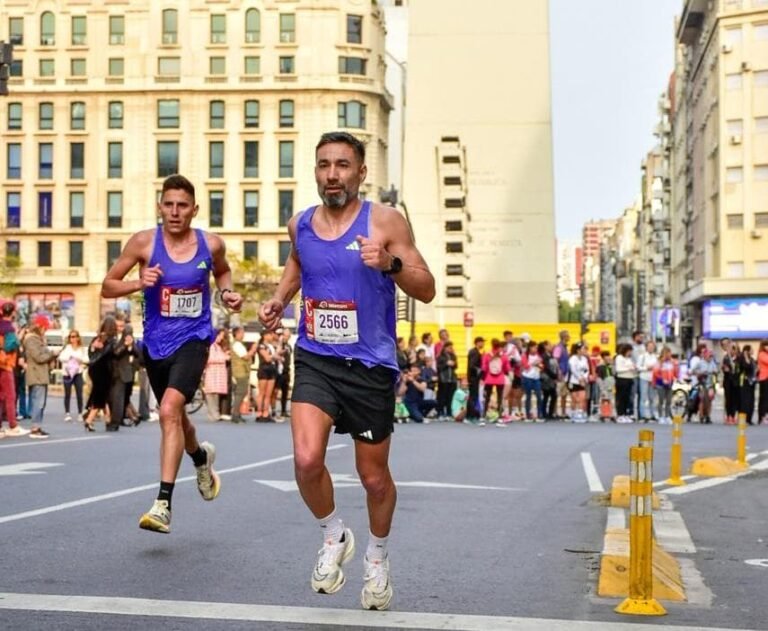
395 267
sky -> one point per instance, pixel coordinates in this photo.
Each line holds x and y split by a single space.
610 61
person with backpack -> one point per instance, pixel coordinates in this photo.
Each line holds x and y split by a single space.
560 353
549 370
446 379
664 375
474 376
495 370
9 347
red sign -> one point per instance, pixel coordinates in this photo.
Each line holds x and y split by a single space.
469 319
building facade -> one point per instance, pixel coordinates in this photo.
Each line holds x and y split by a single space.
720 156
570 269
478 180
108 98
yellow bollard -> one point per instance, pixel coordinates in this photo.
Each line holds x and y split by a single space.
741 441
646 439
640 601
676 454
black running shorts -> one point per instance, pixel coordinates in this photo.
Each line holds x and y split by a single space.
360 400
181 371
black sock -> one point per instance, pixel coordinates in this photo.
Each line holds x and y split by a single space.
166 491
200 457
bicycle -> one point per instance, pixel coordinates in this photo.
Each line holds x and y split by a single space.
196 402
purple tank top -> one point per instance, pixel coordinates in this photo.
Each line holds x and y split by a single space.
347 308
178 308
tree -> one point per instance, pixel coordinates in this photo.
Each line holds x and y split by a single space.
255 280
9 268
566 312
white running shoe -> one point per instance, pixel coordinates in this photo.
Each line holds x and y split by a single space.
208 482
67 418
16 431
377 591
157 518
328 575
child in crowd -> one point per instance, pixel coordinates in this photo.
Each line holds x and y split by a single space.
606 384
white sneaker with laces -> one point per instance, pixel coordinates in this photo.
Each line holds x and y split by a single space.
377 591
16 431
67 418
208 482
328 575
157 518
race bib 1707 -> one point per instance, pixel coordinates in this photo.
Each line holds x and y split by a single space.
181 302
331 321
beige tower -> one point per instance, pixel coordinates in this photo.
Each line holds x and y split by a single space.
478 158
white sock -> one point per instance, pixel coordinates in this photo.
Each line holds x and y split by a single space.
377 547
332 527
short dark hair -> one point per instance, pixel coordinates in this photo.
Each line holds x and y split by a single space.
8 308
178 182
346 138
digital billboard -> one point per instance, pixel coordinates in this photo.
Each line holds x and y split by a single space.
737 318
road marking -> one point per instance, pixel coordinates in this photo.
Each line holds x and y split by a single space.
682 477
346 481
708 483
136 489
593 479
672 533
58 441
757 562
27 468
306 616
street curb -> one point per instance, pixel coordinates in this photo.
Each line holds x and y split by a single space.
718 466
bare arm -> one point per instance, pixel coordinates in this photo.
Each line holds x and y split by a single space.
134 253
222 273
290 283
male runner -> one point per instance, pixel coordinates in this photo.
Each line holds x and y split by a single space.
347 256
175 262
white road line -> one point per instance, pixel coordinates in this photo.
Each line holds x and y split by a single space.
708 483
682 477
40 443
593 479
672 533
306 616
136 489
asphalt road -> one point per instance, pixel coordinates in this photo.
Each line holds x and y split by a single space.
495 527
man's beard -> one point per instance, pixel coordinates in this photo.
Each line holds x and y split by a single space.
336 200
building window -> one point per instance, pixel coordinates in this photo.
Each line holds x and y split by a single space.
218 29
734 35
287 65
252 26
734 175
16 31
352 65
76 209
43 253
252 65
167 158
116 29
47 29
733 81
283 252
761 173
14 161
44 209
287 28
761 78
734 220
14 116
169 66
216 115
168 114
216 159
115 114
761 268
251 209
77 67
77 115
115 151
735 127
285 207
250 250
113 252
17 68
45 115
286 158
251 158
216 209
734 269
761 220
75 253
114 209
79 30
251 114
12 250
116 67
354 29
352 114
13 210
170 26
760 31
47 68
45 160
217 66
286 113
76 160
454 247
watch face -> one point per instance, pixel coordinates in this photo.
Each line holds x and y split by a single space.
397 264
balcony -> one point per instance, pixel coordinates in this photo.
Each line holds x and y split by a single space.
51 275
691 22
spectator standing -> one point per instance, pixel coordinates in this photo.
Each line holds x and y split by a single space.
225 400
747 371
578 381
514 351
531 365
446 379
428 345
560 353
413 344
403 360
549 371
647 363
215 381
593 392
638 349
474 376
20 378
285 359
664 374
9 347
74 362
241 359
731 388
762 379
442 338
267 374
121 372
39 358
606 384
495 370
626 373
100 372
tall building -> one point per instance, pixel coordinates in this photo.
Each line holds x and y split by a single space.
720 156
570 268
108 98
592 235
478 181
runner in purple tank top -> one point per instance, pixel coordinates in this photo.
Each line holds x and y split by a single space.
175 263
347 257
